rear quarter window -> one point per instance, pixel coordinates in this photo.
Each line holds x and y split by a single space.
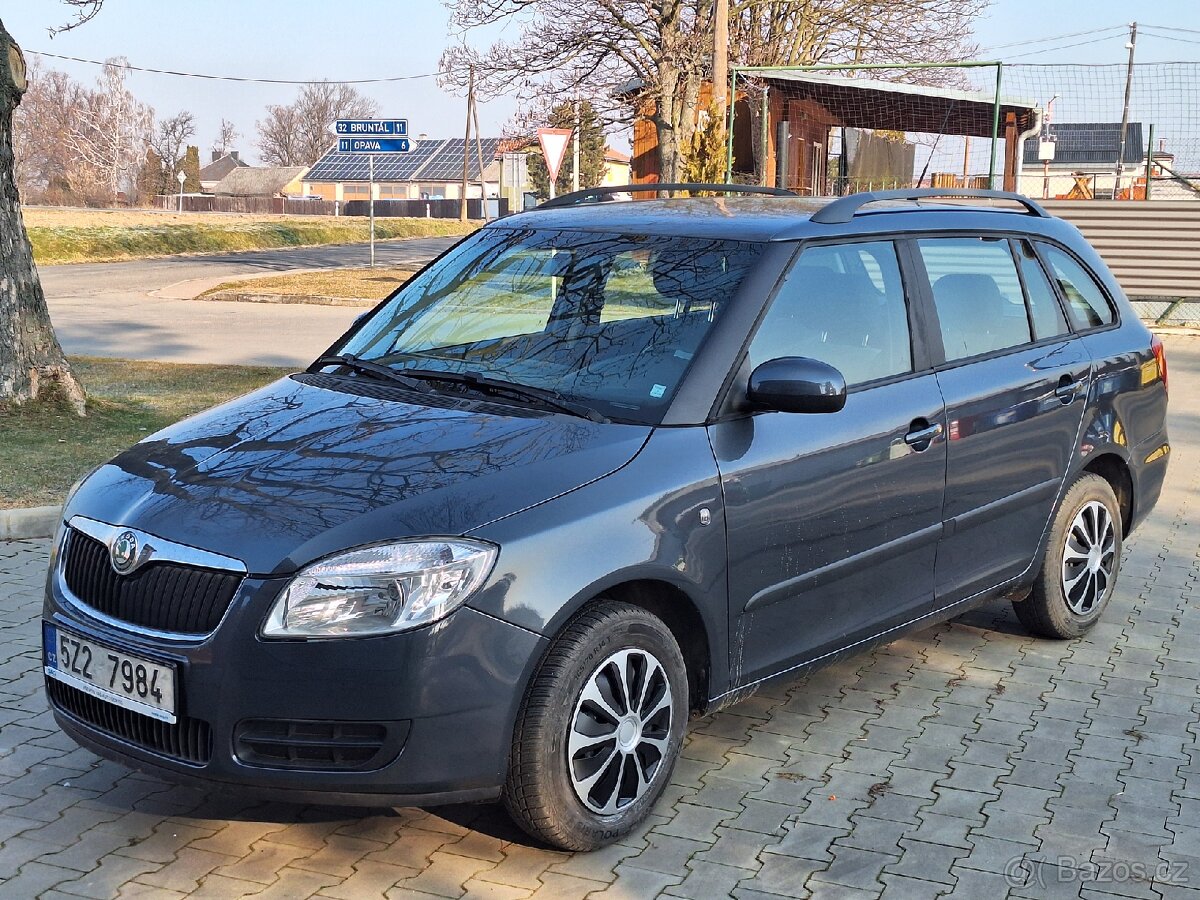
1087 303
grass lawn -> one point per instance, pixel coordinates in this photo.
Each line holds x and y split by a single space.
364 284
46 448
94 235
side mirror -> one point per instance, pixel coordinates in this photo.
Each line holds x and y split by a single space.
797 384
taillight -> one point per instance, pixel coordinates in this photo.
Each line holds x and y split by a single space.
1160 357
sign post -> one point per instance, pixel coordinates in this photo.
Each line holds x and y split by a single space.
554 148
372 136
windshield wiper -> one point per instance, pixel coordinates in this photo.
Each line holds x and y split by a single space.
374 369
484 384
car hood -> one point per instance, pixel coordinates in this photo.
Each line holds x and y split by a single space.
294 472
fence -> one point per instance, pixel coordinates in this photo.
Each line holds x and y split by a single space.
254 205
822 129
424 209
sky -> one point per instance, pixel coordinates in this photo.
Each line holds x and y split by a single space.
353 39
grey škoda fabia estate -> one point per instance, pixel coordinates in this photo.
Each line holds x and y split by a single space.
601 467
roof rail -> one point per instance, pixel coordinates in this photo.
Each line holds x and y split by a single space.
843 209
597 194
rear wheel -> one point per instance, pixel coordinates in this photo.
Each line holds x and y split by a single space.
599 730
1082 562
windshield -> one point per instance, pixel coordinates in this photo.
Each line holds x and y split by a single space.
610 321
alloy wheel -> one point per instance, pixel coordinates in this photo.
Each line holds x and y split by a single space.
619 731
1089 558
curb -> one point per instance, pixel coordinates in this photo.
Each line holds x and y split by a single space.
32 522
299 299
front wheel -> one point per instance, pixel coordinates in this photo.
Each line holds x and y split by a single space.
600 729
1082 561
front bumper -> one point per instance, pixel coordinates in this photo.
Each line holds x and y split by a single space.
446 696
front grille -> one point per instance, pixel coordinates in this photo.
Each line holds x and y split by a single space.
164 596
188 740
302 744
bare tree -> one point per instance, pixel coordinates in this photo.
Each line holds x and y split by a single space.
299 133
32 364
45 167
651 57
113 129
227 136
169 141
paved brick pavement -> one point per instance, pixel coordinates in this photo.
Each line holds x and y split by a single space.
966 761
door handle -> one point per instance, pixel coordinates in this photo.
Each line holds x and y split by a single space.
923 434
1068 388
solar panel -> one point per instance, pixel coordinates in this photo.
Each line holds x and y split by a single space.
1090 143
430 160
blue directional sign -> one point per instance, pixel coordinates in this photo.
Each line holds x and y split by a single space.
374 145
372 127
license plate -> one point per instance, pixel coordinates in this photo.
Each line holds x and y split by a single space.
130 681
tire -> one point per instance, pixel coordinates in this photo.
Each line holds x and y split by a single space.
1076 583
581 791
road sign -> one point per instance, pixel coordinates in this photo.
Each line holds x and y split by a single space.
374 145
372 127
554 147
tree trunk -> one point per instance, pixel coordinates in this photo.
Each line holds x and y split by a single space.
32 364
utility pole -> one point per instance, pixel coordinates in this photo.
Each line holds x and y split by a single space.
720 68
1125 112
462 202
483 207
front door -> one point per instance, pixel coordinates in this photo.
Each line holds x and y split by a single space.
833 519
1015 382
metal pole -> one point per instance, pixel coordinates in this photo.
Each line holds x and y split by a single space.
729 129
371 201
1150 161
764 139
995 128
1132 45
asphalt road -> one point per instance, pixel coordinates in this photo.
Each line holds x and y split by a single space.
134 310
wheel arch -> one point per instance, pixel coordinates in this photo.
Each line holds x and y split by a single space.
1114 469
676 608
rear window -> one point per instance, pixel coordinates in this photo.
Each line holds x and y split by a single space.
977 293
1086 302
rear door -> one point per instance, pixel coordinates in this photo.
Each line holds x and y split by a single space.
833 519
1015 382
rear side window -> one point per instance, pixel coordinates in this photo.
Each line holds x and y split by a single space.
844 305
1044 309
1088 306
977 294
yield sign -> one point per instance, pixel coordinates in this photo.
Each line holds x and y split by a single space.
554 147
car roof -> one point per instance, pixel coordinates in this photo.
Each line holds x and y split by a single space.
768 218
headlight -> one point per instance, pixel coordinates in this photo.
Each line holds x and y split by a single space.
380 590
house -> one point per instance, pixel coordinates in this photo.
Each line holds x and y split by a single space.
262 181
1084 164
220 166
617 167
433 170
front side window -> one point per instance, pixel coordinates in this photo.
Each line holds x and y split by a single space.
608 320
844 305
977 294
1085 300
